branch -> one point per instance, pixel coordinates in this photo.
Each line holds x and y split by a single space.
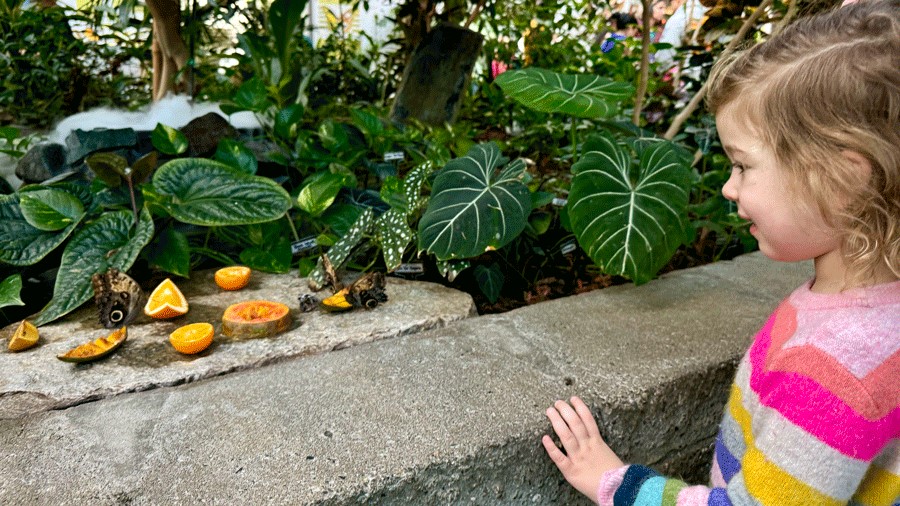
474 14
645 64
692 105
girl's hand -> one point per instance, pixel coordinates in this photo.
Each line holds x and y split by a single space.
587 456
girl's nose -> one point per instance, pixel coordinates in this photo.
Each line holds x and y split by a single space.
729 191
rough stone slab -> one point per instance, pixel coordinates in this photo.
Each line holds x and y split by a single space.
34 380
450 416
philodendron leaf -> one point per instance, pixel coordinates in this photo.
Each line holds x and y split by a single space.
22 243
109 241
10 290
108 167
168 140
339 253
237 156
580 95
320 191
474 206
490 280
143 167
629 214
205 192
49 208
171 252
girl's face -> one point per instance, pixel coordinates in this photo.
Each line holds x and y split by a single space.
786 229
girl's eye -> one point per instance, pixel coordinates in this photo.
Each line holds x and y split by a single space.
738 167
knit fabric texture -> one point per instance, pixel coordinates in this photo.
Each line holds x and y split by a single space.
813 416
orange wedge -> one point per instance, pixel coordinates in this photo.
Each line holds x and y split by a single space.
192 338
233 278
25 336
166 302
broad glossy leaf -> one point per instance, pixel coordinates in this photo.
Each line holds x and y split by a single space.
628 213
108 167
274 257
168 140
10 290
474 206
580 95
237 156
320 191
284 19
288 120
143 167
22 243
490 280
49 208
109 241
205 192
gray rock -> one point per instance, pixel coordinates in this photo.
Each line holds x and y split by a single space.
42 162
82 143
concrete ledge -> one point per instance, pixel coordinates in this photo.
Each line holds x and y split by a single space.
452 415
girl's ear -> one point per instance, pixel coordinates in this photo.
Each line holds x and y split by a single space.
859 162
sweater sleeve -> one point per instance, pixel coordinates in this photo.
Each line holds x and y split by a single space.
640 485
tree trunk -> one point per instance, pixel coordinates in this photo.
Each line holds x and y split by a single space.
170 54
436 75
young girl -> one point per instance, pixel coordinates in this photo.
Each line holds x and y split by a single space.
811 122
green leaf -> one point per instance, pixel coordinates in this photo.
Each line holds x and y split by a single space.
50 209
320 191
541 199
473 206
109 241
490 280
629 214
22 243
287 121
171 252
339 253
252 96
395 235
143 167
452 268
579 95
168 140
10 290
275 257
205 192
108 167
284 20
237 156
370 124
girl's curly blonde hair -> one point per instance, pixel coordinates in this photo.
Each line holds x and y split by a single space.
827 85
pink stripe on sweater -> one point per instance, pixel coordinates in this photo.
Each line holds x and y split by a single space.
816 410
691 496
609 483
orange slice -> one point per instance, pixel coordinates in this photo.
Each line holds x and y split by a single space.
166 302
25 336
192 338
99 348
255 318
233 278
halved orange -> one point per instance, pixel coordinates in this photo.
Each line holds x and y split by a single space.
192 338
25 336
233 278
166 301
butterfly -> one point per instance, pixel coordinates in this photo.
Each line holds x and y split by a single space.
367 291
118 297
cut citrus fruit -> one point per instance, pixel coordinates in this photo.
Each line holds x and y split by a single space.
166 302
255 318
192 338
233 278
25 336
98 348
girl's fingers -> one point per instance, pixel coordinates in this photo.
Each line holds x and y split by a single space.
586 417
557 456
573 420
568 440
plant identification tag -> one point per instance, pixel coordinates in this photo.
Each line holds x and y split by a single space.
305 244
391 156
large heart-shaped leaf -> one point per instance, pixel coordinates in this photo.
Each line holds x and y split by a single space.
580 95
22 243
109 241
629 214
474 206
205 192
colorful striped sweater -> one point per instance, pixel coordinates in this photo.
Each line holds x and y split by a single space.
813 417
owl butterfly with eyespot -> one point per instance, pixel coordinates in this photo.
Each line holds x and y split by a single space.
118 297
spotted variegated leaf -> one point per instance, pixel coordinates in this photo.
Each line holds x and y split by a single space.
412 185
341 250
395 235
451 268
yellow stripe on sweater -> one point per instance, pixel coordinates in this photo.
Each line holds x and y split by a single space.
765 481
878 488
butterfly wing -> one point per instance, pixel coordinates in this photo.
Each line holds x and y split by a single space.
118 298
